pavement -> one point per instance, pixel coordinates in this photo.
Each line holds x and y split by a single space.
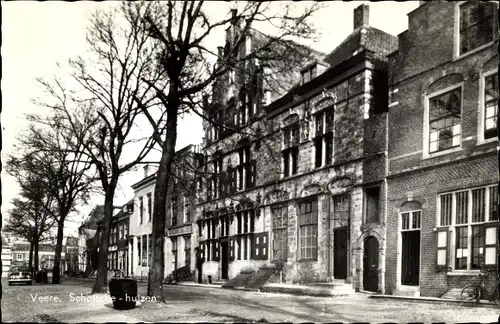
189 303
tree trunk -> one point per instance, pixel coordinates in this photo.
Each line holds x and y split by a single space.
56 272
30 262
101 282
157 268
36 257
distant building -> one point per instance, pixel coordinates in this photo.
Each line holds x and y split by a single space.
118 239
87 240
6 256
46 256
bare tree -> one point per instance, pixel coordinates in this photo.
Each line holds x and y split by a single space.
52 158
102 109
183 29
31 214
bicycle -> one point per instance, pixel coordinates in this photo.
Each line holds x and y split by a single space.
474 292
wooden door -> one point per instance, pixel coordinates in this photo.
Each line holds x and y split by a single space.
340 257
370 264
224 260
410 258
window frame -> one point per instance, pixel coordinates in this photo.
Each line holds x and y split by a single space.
141 210
283 229
482 109
456 37
451 247
300 225
149 199
290 150
426 132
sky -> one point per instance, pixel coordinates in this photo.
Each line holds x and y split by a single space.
37 35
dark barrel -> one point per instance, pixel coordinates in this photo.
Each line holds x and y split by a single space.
124 292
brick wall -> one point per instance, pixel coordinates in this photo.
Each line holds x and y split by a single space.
424 187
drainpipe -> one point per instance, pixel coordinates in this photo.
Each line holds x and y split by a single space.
498 207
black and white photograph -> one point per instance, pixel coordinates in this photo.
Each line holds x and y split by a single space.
250 161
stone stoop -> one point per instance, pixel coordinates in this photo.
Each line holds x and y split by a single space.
261 277
240 281
453 293
408 292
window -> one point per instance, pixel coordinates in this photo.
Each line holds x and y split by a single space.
150 207
187 250
470 218
19 256
290 152
144 253
410 221
245 228
149 249
141 210
372 198
489 88
217 166
477 25
323 140
341 211
174 252
187 210
174 210
244 159
280 232
308 230
308 74
139 250
445 120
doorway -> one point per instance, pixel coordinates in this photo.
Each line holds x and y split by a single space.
340 257
370 264
410 258
410 248
224 260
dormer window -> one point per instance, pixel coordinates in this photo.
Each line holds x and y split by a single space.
309 73
232 77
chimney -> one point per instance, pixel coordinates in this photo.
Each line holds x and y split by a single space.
146 170
220 50
361 16
234 12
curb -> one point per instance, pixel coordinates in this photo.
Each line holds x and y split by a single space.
198 285
481 303
301 292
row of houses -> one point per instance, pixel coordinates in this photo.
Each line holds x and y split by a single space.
16 251
376 168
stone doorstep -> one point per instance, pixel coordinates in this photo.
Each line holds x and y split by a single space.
482 303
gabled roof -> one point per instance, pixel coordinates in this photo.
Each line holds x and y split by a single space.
96 215
363 37
5 243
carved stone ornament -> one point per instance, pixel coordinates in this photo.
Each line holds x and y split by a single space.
276 196
310 190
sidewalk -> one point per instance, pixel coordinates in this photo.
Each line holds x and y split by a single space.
316 291
482 303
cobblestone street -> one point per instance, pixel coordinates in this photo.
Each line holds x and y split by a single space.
186 303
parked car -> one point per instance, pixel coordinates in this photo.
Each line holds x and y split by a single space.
19 274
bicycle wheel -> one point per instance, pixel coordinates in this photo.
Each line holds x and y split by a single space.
471 293
494 297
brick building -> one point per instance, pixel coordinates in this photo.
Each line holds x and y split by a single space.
442 179
301 182
118 239
180 212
